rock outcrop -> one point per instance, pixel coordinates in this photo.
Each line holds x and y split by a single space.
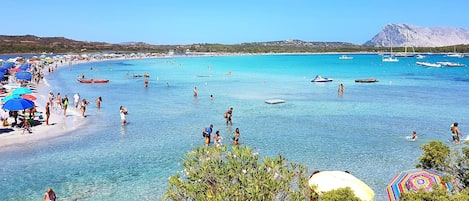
400 35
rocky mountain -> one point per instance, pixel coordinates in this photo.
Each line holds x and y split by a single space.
400 35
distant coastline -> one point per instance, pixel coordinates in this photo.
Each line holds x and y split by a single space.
58 45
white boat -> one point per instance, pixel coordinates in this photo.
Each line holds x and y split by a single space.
390 58
419 56
428 64
345 57
318 78
405 53
455 55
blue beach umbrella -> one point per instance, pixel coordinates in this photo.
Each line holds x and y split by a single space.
23 75
12 96
21 90
25 66
18 104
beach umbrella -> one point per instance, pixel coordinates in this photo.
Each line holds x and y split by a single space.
14 70
29 97
22 90
11 96
23 75
324 181
415 180
25 66
18 104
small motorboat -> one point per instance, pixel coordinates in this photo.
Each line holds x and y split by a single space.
369 80
318 78
81 80
345 57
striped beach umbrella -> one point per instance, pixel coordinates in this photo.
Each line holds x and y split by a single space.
415 180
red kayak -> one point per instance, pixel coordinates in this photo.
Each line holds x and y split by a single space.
93 80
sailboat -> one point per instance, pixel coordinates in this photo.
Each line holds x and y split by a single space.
455 55
405 53
390 58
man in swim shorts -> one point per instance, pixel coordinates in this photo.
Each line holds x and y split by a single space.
228 115
455 133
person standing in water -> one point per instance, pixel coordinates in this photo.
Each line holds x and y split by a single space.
228 115
123 112
455 133
236 136
340 90
414 135
98 102
206 133
196 91
65 104
49 195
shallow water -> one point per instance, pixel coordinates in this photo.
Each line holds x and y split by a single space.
364 131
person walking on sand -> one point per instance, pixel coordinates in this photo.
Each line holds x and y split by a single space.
228 115
65 104
47 113
59 101
123 112
455 133
51 98
49 195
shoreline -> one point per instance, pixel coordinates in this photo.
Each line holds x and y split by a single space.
58 124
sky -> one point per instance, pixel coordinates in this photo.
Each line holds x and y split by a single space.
181 22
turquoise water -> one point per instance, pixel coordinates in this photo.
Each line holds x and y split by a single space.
362 131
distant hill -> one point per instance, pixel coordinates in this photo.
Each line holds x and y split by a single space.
400 35
300 43
35 44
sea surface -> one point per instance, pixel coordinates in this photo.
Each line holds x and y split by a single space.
363 131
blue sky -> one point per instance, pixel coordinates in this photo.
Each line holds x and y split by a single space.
227 22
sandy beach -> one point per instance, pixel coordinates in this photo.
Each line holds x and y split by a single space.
58 123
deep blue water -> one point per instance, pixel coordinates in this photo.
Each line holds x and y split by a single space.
364 131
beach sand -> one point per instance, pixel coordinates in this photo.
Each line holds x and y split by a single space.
58 123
